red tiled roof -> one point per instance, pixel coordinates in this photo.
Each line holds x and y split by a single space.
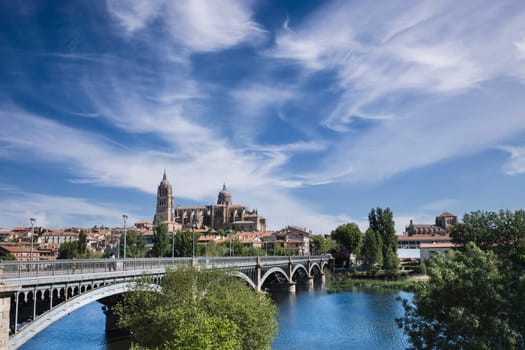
16 249
423 238
447 214
437 245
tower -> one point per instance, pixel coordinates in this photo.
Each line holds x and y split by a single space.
164 213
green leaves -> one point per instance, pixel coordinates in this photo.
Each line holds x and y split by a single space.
348 235
208 309
468 303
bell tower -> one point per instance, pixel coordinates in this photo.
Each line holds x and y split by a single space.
164 213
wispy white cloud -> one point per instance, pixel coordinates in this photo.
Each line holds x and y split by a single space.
378 50
515 165
520 49
205 162
197 25
58 211
134 15
430 75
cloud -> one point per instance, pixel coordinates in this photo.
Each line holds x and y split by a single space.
58 211
196 162
198 25
377 50
431 77
515 165
134 15
520 49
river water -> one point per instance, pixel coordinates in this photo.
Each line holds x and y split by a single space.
362 319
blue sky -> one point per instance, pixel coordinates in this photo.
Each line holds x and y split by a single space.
312 112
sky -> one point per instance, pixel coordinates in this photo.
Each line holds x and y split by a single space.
311 112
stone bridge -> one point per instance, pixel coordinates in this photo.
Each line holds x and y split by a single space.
35 294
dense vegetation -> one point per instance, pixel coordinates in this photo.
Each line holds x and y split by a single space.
375 250
475 296
207 309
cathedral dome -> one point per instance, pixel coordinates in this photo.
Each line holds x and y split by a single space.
224 196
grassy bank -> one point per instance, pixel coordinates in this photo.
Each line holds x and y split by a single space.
344 282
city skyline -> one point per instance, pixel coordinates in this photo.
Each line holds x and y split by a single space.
311 112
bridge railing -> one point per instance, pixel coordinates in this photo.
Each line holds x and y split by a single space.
22 269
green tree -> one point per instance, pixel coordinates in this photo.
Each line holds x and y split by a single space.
161 241
371 250
68 250
503 231
321 245
382 221
82 243
207 309
183 244
465 305
135 243
348 235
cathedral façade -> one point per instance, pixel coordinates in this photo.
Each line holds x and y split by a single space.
224 215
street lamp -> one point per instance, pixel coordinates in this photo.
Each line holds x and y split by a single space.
125 217
232 245
32 235
193 227
172 245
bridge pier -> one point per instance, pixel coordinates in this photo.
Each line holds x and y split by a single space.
6 292
310 284
111 317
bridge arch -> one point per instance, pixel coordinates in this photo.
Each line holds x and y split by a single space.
73 304
273 270
300 267
247 279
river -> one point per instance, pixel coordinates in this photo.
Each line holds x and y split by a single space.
362 319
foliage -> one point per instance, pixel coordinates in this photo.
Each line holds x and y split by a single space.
135 243
344 282
8 256
68 250
470 302
82 243
382 221
348 235
208 309
183 243
371 250
321 245
503 232
341 256
161 241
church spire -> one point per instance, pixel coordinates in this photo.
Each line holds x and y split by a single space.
164 177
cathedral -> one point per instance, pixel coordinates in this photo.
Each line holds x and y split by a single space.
224 215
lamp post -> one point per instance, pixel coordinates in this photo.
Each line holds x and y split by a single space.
172 245
125 217
193 227
232 245
32 235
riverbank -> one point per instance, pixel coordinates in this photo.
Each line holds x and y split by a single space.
345 282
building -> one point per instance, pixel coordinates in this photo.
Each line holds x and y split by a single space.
21 253
426 250
294 240
444 223
415 241
221 216
57 237
427 238
164 213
